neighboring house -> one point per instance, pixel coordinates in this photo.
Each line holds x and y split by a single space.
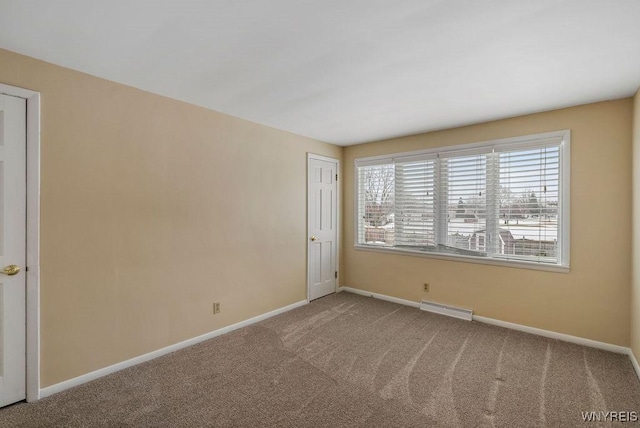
526 246
506 245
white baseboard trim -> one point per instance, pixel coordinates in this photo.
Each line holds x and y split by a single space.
58 387
634 362
554 335
380 296
532 330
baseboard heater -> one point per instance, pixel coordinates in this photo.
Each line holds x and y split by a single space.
452 311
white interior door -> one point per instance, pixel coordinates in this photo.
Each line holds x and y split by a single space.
12 249
322 226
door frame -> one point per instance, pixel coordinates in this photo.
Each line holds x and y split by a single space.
311 156
33 237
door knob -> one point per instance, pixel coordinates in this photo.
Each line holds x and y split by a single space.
313 238
10 270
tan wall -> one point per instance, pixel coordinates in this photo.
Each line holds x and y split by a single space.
152 209
591 301
635 285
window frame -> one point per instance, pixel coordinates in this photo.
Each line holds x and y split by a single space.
563 140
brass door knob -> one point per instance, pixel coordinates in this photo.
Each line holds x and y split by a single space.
313 238
10 270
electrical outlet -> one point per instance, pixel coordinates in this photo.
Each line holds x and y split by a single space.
426 287
216 307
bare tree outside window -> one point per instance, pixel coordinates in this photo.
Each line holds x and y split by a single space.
378 184
379 189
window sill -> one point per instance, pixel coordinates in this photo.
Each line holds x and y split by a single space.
458 258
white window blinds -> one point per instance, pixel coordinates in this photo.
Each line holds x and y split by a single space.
464 197
415 203
505 200
529 200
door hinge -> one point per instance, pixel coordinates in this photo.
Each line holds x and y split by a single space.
336 177
336 274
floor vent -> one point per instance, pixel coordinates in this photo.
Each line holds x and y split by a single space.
452 311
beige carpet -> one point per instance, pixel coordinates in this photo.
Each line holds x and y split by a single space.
352 361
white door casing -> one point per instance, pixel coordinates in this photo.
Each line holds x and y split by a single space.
322 225
12 249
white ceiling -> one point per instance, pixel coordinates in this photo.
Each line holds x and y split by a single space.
345 71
